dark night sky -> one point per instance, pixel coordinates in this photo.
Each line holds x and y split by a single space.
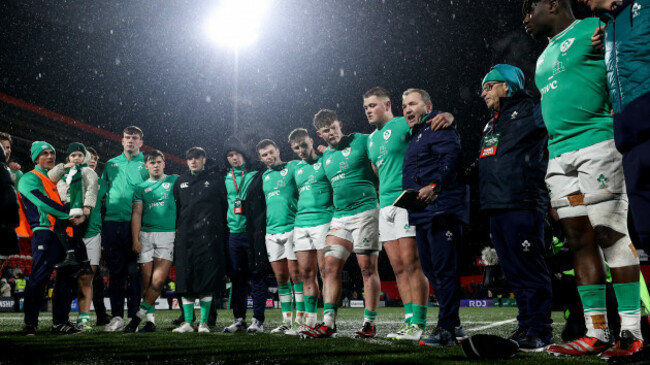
150 63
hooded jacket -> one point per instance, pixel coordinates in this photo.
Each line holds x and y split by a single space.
201 234
253 206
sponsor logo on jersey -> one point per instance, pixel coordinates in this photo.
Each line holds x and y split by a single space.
284 172
338 177
550 86
304 188
185 185
166 185
272 194
564 46
146 190
387 134
346 151
156 204
317 165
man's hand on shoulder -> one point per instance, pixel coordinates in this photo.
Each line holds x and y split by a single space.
597 39
440 121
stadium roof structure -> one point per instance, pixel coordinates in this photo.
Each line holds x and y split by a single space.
27 122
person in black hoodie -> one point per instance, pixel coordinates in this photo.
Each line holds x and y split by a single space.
199 247
9 219
246 216
512 165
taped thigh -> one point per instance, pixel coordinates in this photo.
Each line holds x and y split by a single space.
337 251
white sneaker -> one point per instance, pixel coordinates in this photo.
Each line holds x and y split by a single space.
203 328
184 328
281 329
238 326
393 335
256 326
412 333
115 325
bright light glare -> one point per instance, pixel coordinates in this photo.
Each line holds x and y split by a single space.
237 23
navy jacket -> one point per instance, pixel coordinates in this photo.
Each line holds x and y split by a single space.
513 178
434 157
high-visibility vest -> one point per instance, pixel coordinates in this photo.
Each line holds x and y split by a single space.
24 230
21 284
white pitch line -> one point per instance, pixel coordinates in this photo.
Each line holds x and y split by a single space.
495 324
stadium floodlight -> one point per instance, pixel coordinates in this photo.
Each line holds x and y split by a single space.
236 23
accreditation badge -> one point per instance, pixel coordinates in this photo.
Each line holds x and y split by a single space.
238 207
490 144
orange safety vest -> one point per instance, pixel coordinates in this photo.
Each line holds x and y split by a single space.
24 230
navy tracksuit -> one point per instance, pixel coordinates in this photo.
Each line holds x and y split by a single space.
46 252
125 277
514 195
632 137
238 248
434 157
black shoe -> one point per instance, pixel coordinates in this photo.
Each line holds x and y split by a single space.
66 328
70 260
148 327
177 322
534 344
518 334
212 321
103 320
132 327
29 330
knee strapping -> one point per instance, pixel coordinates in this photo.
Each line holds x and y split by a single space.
338 251
622 253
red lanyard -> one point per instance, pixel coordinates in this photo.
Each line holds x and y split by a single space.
232 172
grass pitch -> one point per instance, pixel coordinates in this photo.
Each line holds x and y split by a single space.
165 347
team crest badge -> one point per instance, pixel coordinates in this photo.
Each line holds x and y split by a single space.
346 151
166 185
566 44
284 172
317 165
387 134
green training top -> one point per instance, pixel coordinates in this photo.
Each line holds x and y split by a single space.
15 176
237 222
386 149
315 194
122 176
572 79
159 207
281 197
31 188
95 218
350 173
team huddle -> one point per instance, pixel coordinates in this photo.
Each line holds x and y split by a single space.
239 219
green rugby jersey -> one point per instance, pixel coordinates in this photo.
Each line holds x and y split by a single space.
315 194
122 176
281 197
386 149
159 206
350 173
572 79
95 217
237 222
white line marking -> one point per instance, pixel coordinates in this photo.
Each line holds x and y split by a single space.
495 324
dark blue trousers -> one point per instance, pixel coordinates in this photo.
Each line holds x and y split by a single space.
636 168
124 271
518 237
46 252
240 275
439 247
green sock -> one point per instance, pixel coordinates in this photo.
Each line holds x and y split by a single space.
594 305
300 298
419 315
628 296
408 312
205 303
284 292
369 316
188 310
83 317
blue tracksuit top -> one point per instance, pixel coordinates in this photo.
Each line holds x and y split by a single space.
434 157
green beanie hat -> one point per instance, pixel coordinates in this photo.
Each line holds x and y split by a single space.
38 147
511 75
74 147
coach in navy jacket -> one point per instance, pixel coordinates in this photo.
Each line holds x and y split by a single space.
512 165
431 166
